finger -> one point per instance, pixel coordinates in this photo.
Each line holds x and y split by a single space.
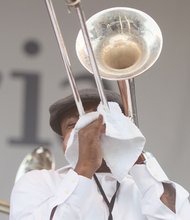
100 119
96 126
103 125
99 122
99 125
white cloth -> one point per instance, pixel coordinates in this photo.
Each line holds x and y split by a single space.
77 198
122 141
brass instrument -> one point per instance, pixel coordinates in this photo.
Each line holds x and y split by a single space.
116 44
126 42
39 158
4 207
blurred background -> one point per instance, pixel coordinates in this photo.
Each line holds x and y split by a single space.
32 76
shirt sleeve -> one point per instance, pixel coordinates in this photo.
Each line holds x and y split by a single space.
149 178
37 193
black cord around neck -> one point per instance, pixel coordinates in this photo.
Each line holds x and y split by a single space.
110 204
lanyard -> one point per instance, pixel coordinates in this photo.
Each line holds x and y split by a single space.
109 204
53 212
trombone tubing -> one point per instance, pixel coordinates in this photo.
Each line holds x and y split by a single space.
65 56
4 207
91 55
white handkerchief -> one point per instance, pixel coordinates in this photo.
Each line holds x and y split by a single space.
72 151
122 142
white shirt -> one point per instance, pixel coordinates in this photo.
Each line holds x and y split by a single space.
77 198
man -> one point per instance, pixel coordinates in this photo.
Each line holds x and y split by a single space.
89 189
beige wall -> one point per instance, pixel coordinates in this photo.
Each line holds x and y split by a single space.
162 92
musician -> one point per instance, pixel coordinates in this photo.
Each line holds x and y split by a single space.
96 184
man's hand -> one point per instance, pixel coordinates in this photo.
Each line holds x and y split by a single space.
169 196
90 153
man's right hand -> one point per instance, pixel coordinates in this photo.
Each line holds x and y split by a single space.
90 153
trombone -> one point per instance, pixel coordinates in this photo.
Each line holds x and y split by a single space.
126 42
4 207
40 158
115 44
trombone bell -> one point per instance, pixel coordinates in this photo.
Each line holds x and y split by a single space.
120 53
126 42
